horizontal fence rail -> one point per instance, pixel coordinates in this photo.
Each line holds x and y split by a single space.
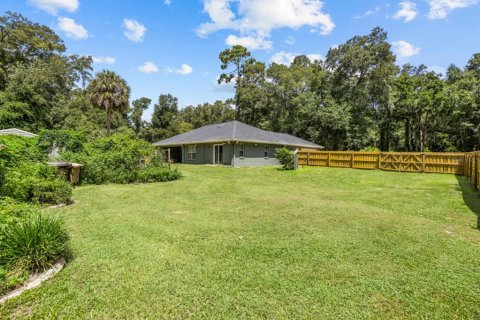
430 162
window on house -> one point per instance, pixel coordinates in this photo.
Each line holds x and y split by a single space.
265 152
241 153
192 152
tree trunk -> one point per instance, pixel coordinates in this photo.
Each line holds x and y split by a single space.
408 140
385 136
423 138
109 120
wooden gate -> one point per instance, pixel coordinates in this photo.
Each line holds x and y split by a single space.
402 162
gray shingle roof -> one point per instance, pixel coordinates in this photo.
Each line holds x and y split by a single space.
235 131
18 132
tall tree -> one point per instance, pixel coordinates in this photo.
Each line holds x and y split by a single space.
207 113
23 41
110 92
235 57
363 71
165 113
139 105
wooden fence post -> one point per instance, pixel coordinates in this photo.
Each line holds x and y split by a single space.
308 158
379 160
475 173
328 159
351 160
423 162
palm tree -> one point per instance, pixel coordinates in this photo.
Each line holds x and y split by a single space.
109 91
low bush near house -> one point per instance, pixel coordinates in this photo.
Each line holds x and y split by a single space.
286 158
158 174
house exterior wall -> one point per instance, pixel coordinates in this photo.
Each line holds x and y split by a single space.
254 155
200 157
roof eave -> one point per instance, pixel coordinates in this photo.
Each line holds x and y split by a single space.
157 144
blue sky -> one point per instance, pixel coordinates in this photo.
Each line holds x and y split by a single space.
162 46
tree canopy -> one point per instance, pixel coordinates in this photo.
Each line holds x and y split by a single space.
357 98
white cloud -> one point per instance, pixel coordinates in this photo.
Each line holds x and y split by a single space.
407 11
53 6
290 40
405 49
256 19
369 12
135 31
148 67
167 2
105 60
184 70
439 9
250 42
72 29
287 58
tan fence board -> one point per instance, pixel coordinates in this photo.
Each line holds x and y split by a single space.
450 163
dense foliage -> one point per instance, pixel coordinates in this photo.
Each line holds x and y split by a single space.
121 158
25 175
286 158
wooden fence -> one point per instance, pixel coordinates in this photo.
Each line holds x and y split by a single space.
471 168
431 162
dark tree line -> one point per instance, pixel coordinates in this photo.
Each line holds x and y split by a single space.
357 98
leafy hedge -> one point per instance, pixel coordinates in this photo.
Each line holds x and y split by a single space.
25 176
121 158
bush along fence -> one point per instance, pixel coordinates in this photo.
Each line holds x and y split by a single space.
430 162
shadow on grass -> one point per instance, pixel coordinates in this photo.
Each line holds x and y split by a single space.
471 197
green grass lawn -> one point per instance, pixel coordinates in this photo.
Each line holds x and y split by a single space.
318 243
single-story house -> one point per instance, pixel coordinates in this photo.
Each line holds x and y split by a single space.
230 143
17 132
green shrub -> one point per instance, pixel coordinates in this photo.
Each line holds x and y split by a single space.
12 210
36 182
286 158
35 243
51 191
120 158
20 149
158 174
